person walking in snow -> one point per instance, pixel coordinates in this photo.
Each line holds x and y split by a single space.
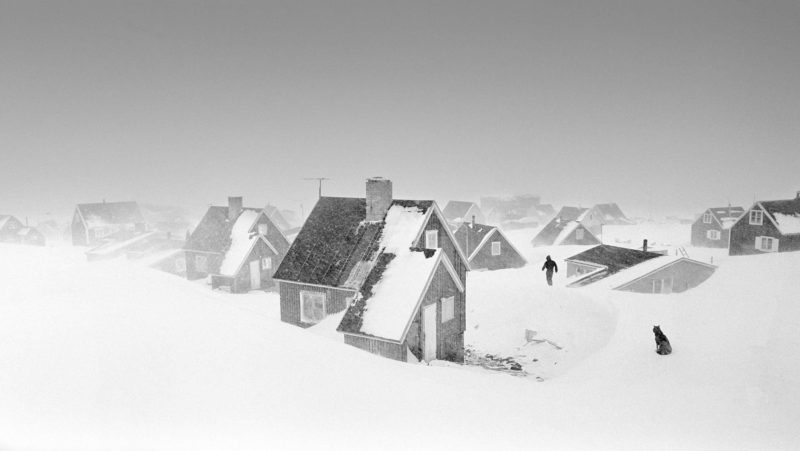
549 266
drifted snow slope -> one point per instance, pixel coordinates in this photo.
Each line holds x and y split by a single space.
110 355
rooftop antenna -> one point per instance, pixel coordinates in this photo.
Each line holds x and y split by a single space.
319 179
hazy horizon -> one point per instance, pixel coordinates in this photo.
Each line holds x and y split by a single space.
665 108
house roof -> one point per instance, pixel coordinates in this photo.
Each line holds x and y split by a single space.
110 213
726 216
4 219
456 210
241 242
570 213
336 247
610 212
213 233
638 271
613 258
277 217
558 229
475 234
785 213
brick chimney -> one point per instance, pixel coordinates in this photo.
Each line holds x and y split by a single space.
797 196
234 207
379 198
644 245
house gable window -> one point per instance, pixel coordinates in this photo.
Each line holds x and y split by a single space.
766 244
432 239
312 306
707 218
262 229
266 263
756 217
495 248
448 308
713 235
578 234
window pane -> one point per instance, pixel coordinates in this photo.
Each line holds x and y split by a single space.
448 308
495 248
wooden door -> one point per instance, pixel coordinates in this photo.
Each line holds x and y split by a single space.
429 331
255 275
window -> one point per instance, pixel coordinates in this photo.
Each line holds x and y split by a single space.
495 248
432 239
448 308
707 218
262 229
756 217
578 234
312 306
713 234
200 263
766 244
266 263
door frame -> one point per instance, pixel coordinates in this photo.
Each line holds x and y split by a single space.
430 344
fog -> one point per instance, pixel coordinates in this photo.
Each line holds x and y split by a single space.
665 108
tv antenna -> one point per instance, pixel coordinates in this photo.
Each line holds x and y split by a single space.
319 179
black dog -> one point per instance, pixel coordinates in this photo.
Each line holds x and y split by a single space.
662 342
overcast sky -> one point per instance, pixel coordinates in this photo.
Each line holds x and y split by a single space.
661 106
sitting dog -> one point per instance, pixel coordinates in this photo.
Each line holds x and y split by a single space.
662 342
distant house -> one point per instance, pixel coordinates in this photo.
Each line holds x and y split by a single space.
487 247
767 226
239 248
457 212
171 220
172 261
634 270
603 214
395 263
712 228
9 229
94 224
32 236
276 216
564 229
502 210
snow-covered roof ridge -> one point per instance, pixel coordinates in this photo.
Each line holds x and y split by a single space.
242 241
788 223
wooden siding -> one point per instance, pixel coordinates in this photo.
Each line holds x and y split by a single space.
382 348
336 300
700 237
508 258
446 244
213 262
743 237
588 238
684 275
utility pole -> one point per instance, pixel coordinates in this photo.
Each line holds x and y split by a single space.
319 179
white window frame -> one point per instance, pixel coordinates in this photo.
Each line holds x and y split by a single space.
266 263
756 217
706 218
262 228
496 249
432 239
579 234
772 244
448 309
311 294
713 235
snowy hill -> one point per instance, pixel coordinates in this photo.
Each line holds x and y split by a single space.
115 356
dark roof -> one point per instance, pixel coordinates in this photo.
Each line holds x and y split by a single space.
456 209
613 257
570 213
475 234
213 233
722 213
111 212
550 232
611 210
786 207
334 238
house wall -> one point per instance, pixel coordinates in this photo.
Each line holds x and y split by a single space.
508 258
241 283
78 231
10 230
700 230
587 240
450 335
336 300
684 275
446 244
743 237
213 262
274 236
394 351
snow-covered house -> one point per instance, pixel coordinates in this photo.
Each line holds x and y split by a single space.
603 214
31 235
767 226
626 269
9 229
457 212
565 228
359 249
237 247
96 223
277 217
487 247
712 228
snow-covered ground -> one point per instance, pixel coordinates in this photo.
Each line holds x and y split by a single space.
111 355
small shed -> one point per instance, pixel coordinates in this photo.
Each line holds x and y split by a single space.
487 247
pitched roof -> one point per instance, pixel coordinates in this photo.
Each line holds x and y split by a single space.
277 217
558 229
611 212
213 233
466 233
337 247
636 272
4 219
110 213
456 210
726 216
241 242
570 213
614 258
785 213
